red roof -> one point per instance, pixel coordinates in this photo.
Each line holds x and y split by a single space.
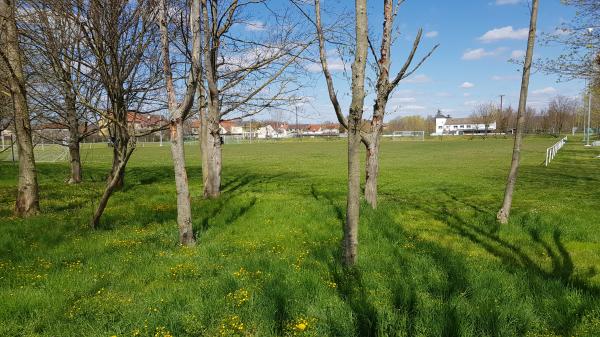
145 120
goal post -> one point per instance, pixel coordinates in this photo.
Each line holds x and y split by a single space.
407 135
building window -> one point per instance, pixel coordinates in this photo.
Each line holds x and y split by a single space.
440 127
462 126
456 126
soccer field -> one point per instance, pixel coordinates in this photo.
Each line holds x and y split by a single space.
432 260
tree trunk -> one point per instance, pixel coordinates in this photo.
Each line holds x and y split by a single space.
504 212
212 184
108 191
74 153
75 161
27 202
120 145
203 137
350 245
372 172
184 208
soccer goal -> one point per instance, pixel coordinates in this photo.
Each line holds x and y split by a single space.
407 135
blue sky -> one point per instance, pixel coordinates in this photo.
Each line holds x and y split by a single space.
471 66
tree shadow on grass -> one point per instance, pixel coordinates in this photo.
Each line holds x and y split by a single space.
351 287
329 199
516 259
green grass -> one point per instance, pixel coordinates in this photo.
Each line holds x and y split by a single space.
432 261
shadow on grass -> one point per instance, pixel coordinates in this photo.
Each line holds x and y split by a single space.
517 259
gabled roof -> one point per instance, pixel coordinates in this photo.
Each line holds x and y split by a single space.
440 115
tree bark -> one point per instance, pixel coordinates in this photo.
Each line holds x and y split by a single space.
212 184
110 188
120 146
27 202
184 208
178 113
504 212
74 137
354 138
372 172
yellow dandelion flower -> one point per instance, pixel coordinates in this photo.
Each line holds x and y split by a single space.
301 326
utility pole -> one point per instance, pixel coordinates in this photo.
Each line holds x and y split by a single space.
297 129
501 100
589 124
589 121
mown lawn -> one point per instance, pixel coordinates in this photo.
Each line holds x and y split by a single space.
432 261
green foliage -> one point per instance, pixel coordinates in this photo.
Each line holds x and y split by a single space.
432 260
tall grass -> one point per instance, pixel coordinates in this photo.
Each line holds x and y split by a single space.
432 261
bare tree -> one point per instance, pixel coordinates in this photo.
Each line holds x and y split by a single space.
561 111
243 74
353 124
372 130
486 114
179 112
504 212
27 202
579 39
122 39
54 53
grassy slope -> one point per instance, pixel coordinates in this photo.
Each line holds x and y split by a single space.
432 261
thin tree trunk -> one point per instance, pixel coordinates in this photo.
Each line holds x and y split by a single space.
184 208
350 245
27 202
202 135
74 153
110 188
372 172
178 114
120 145
504 212
212 184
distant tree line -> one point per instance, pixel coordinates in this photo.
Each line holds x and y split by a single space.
560 116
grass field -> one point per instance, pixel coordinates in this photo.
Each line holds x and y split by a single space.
432 261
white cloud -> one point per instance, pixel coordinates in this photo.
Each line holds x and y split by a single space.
255 26
544 91
517 54
467 85
505 78
412 107
420 78
433 33
507 2
466 94
470 103
333 65
479 53
404 99
505 33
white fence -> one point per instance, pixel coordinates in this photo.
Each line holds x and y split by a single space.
413 135
553 150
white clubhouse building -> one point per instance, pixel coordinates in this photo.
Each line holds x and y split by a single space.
446 125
